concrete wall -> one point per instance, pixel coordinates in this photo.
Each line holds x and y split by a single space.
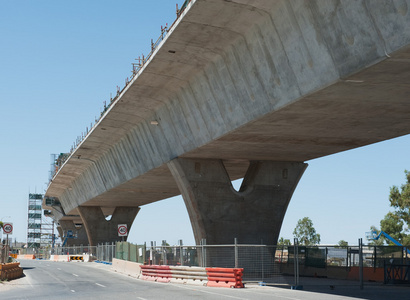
126 267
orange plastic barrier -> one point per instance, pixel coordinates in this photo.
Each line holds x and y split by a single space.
26 256
225 277
13 255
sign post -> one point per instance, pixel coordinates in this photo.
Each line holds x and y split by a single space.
122 230
7 229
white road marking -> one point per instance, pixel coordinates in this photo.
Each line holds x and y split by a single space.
208 292
254 292
58 269
73 291
100 284
141 298
75 275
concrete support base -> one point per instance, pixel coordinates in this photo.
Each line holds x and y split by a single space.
79 232
99 230
218 213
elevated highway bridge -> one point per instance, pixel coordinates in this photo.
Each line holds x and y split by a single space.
237 89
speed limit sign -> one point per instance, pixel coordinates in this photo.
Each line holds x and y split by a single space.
8 228
122 230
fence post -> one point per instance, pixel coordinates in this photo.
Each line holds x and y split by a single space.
151 258
181 255
263 265
361 263
236 252
296 265
403 252
164 252
203 244
127 244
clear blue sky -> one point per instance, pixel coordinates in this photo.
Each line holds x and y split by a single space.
60 60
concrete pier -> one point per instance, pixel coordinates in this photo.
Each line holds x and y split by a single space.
80 233
99 230
218 213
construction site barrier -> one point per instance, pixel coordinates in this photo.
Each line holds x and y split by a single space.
193 275
215 277
13 255
26 256
156 273
225 277
76 257
10 271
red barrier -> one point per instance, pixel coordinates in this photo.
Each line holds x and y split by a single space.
225 277
216 277
156 273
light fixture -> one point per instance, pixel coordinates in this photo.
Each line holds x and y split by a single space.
154 122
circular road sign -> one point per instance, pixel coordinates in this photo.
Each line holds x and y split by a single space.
8 228
122 230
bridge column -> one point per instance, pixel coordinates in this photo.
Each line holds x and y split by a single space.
81 239
99 230
219 214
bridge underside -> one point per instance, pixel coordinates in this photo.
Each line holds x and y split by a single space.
246 81
359 110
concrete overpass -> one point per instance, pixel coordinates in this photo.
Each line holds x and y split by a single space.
238 89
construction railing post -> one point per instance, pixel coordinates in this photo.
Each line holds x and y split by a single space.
262 263
203 250
297 285
181 254
236 252
151 254
164 252
361 263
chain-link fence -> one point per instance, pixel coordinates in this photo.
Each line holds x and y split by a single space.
261 263
106 252
286 264
101 252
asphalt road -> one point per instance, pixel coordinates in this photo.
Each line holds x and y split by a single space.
79 280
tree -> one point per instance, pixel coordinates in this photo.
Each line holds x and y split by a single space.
394 222
400 200
284 242
306 233
343 243
393 225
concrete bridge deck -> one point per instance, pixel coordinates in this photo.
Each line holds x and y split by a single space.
243 81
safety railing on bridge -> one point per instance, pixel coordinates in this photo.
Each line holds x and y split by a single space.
136 68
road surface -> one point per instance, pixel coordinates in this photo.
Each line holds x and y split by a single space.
78 280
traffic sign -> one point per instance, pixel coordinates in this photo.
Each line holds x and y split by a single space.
8 228
122 230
